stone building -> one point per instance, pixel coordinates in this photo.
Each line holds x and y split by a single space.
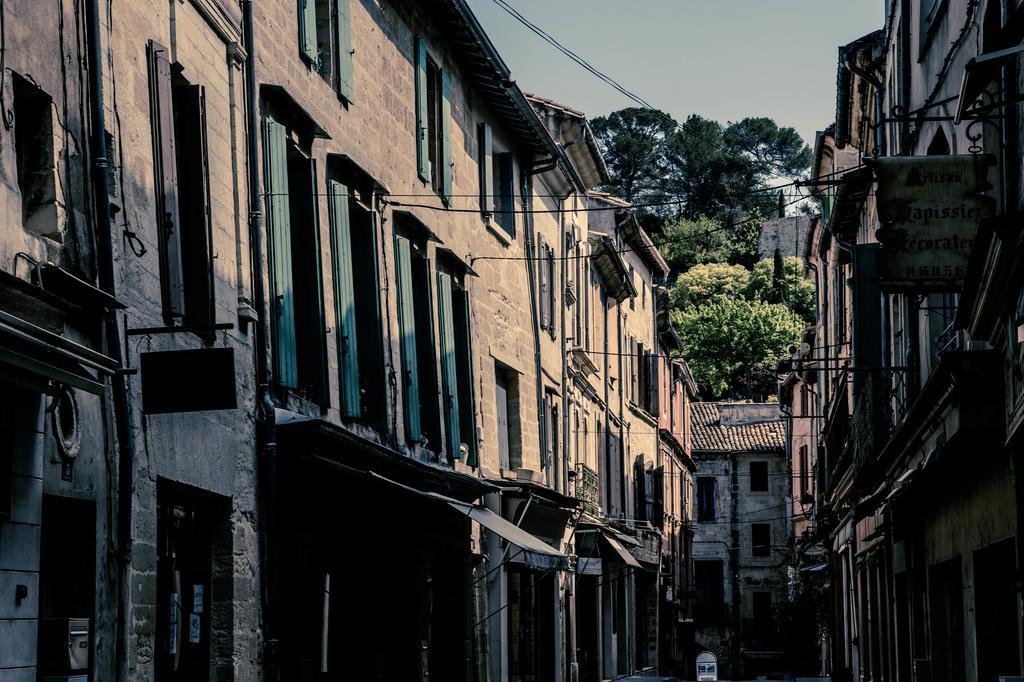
917 349
741 543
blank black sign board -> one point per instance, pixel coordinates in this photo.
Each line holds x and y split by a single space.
188 380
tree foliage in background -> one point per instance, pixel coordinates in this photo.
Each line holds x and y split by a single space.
792 288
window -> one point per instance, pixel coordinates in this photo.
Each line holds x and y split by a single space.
709 586
550 452
546 275
760 539
325 39
297 319
433 123
34 144
178 116
416 332
357 315
759 477
456 365
506 393
497 193
805 476
931 13
706 499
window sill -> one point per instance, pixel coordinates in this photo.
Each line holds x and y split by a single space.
498 232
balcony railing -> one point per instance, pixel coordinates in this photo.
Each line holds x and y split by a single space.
588 490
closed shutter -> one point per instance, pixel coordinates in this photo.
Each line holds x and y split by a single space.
486 162
658 495
422 153
307 30
407 335
545 432
449 373
446 137
344 49
166 181
501 410
344 299
652 383
552 289
194 207
640 489
282 289
545 284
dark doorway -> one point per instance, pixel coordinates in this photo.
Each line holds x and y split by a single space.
945 600
531 625
995 606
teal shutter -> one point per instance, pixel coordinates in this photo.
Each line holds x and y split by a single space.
407 335
307 30
467 402
446 138
422 155
323 383
344 299
449 372
486 162
282 290
344 50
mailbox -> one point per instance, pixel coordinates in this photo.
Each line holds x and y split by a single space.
64 649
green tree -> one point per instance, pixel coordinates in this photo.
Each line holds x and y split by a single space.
633 143
792 289
702 283
728 338
687 243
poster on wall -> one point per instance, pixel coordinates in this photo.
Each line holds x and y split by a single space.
929 208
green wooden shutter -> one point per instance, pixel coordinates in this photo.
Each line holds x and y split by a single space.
282 290
307 30
446 137
344 299
486 163
449 373
344 50
407 335
545 431
321 381
544 283
422 153
165 161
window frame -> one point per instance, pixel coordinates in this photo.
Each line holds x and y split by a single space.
760 550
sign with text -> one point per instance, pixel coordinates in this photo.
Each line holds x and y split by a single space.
929 208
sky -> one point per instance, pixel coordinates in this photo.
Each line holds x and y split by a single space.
722 59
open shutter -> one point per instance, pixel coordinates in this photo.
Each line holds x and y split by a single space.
446 137
449 374
344 298
407 334
344 50
307 29
545 432
658 495
321 381
196 233
545 284
486 162
552 289
282 289
422 154
165 160
654 383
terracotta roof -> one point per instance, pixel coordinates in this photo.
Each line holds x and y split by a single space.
709 435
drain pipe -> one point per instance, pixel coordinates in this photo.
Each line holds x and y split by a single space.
112 334
266 424
530 243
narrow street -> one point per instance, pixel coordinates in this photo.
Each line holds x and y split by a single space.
512 341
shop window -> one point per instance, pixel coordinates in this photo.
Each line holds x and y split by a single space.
34 143
706 499
297 320
178 120
506 389
416 329
760 539
433 123
357 304
759 477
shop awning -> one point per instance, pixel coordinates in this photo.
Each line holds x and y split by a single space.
621 551
534 552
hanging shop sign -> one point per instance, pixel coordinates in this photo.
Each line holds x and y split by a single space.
929 208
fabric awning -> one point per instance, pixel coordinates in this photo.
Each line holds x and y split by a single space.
534 552
621 551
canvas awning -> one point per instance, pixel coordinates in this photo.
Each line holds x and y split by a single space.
620 551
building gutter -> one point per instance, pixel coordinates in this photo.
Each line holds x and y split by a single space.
112 336
266 424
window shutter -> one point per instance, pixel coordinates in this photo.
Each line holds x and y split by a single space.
545 423
282 290
449 374
407 333
344 49
422 155
545 284
307 30
194 208
322 381
344 299
446 137
165 160
552 289
486 162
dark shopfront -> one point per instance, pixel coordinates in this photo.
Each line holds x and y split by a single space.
376 573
